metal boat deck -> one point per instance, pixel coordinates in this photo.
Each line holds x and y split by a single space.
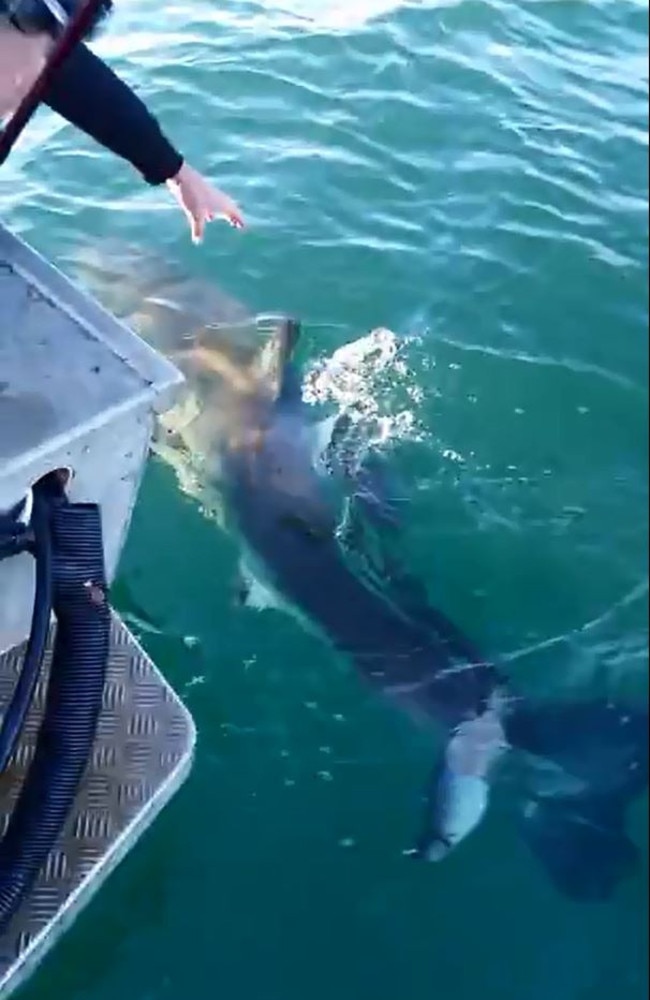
142 755
79 390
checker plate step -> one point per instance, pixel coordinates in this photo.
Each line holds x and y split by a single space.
142 754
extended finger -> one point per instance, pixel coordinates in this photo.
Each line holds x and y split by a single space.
235 218
198 226
228 210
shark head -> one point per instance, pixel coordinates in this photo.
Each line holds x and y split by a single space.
241 405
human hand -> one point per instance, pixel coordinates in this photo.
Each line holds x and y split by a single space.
201 202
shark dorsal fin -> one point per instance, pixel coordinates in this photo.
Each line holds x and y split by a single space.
288 337
275 364
288 383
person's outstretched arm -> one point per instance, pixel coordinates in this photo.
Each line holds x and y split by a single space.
89 95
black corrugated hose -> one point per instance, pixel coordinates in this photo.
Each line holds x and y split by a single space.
73 703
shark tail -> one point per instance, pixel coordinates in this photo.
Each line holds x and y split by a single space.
577 829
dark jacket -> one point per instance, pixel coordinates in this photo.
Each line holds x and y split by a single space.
90 96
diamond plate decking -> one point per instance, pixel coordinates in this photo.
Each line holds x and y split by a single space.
142 754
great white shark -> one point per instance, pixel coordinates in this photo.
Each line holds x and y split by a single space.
245 433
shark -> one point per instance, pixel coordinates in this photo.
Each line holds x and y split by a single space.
302 496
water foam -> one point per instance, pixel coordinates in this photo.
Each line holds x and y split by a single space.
361 378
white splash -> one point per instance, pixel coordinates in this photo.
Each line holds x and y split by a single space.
354 378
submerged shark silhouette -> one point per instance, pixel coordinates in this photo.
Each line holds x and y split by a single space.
245 431
582 762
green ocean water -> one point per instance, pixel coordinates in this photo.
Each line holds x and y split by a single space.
472 175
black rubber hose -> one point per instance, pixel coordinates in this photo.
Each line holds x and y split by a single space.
41 548
73 704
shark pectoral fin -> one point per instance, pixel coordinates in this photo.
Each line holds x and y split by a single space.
581 844
249 592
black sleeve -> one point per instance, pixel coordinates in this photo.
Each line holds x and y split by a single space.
90 96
